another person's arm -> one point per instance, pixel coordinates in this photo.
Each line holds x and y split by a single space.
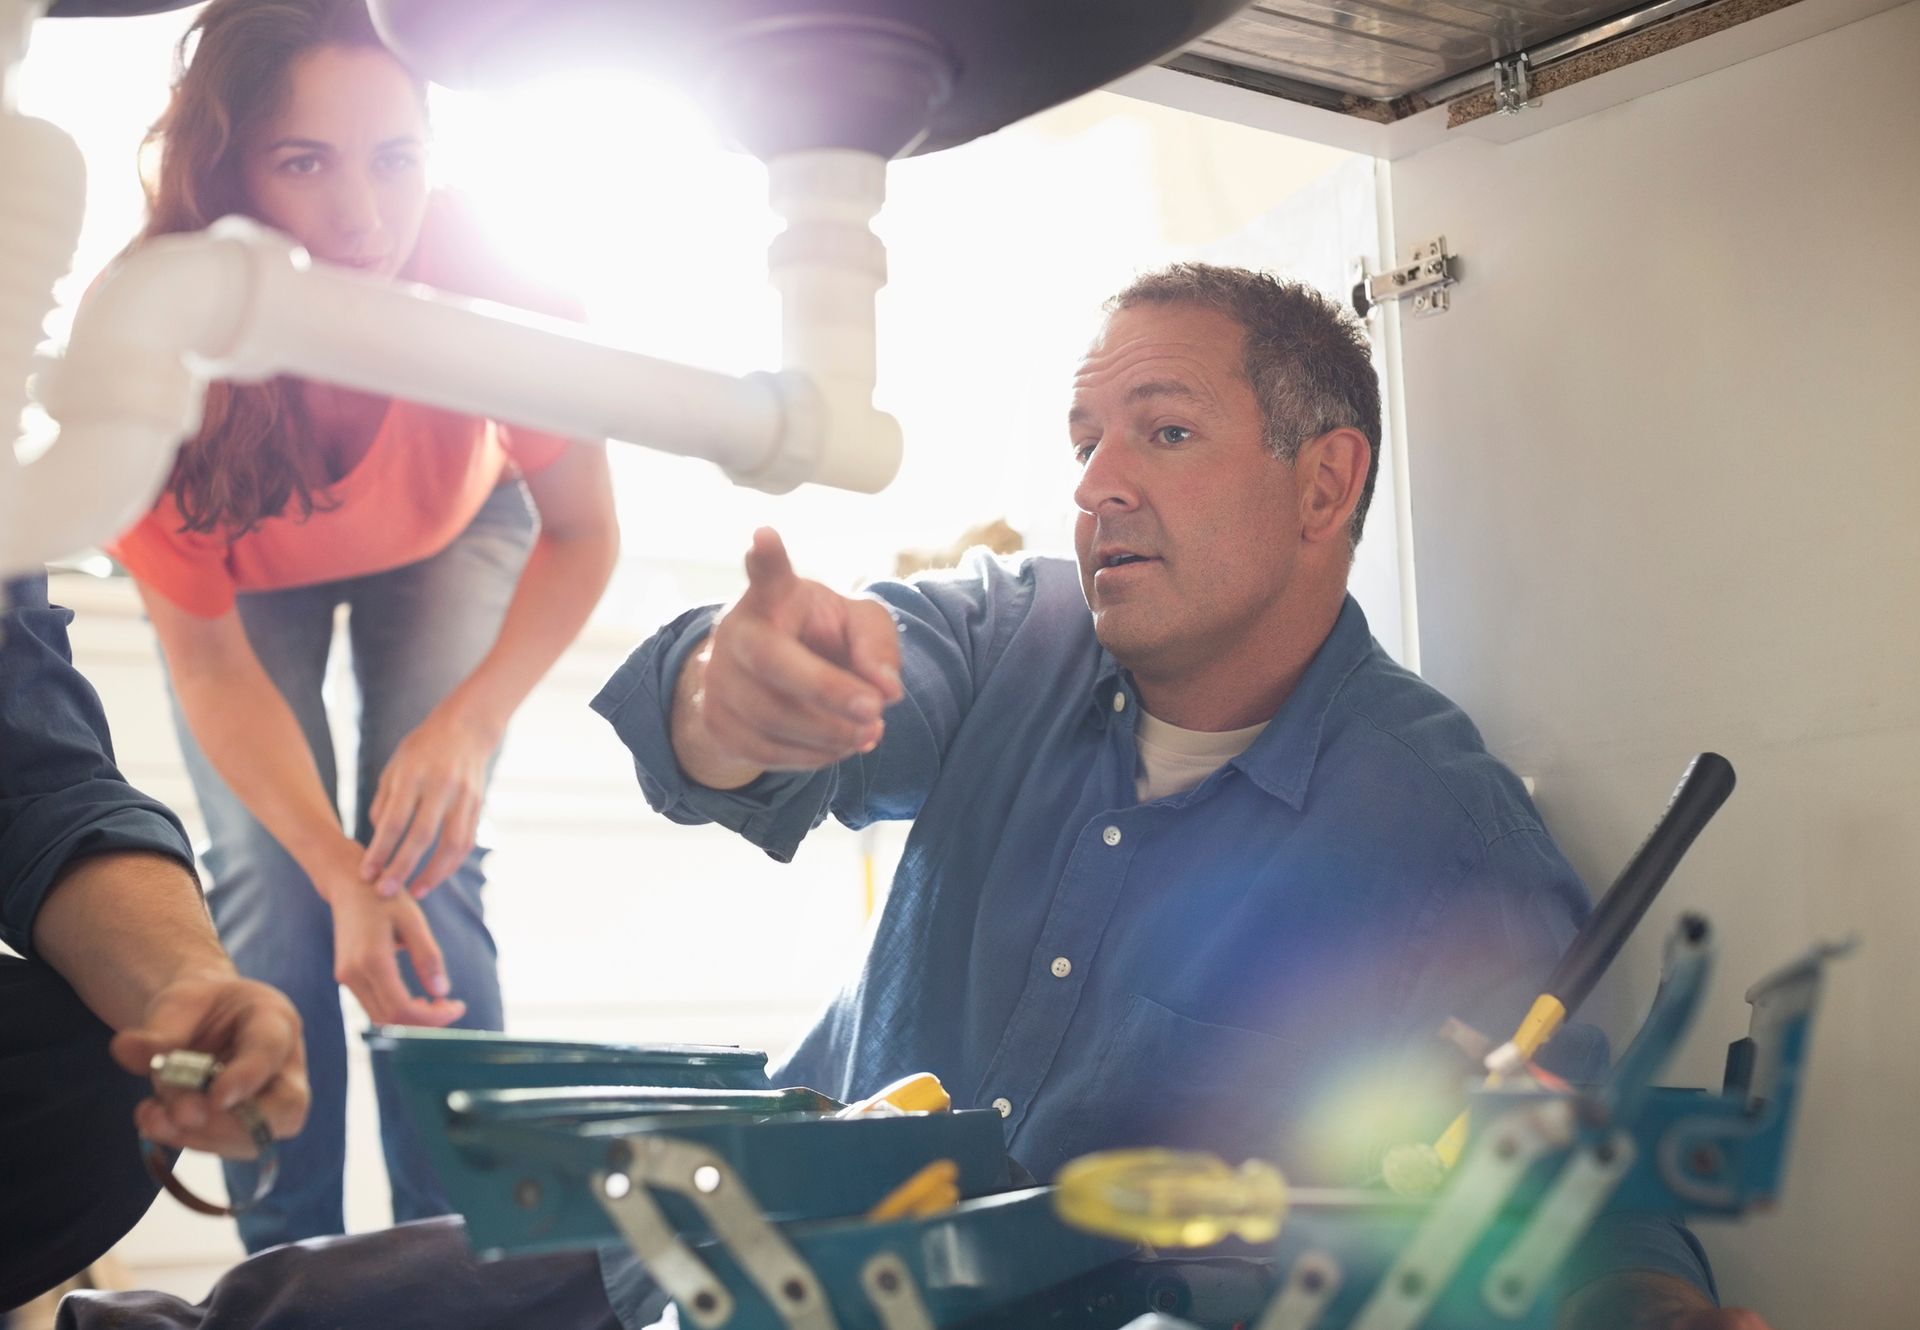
433 785
96 883
129 932
249 733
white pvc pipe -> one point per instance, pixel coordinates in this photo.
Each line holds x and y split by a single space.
828 267
40 214
41 203
124 395
16 26
239 301
340 327
93 484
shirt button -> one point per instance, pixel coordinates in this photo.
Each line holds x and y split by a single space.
1061 967
1119 701
1111 835
1004 1107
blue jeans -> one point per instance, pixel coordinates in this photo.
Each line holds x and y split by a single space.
415 633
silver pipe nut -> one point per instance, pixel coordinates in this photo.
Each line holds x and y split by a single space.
185 1069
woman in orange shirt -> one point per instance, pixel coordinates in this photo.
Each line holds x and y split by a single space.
298 498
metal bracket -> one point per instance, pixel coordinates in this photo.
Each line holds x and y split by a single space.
890 1288
1513 85
704 1178
1488 1175
1311 1285
1577 1195
1426 279
701 1295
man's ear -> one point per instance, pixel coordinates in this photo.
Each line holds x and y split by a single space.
1331 471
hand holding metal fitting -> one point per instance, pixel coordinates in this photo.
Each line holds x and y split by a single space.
185 1069
227 1060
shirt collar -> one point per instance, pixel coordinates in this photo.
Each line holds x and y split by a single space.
1281 760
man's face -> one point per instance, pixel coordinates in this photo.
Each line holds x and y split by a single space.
1188 530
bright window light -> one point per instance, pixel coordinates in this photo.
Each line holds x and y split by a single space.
617 192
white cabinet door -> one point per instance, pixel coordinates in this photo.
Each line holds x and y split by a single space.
1664 486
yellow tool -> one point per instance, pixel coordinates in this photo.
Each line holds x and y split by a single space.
918 1093
1171 1198
929 1191
1542 1019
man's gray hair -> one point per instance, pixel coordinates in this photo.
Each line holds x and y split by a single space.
1305 356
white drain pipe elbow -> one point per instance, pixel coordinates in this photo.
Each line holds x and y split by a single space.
828 267
130 386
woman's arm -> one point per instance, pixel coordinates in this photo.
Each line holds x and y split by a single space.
432 785
249 733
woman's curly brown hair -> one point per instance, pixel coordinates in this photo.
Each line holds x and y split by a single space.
230 73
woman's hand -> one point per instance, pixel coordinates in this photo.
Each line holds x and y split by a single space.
431 789
433 783
368 934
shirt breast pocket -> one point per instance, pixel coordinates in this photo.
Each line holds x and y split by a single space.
1168 1080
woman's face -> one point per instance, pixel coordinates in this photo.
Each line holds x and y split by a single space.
342 167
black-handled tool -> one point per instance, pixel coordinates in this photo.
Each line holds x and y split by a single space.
1702 789
1705 786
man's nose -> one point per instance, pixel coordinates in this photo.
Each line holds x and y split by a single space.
1106 480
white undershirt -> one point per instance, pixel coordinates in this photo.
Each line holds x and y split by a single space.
1173 760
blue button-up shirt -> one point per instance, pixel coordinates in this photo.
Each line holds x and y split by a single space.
1256 966
61 797
1199 969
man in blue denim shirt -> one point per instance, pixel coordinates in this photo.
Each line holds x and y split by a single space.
1193 862
97 893
1199 867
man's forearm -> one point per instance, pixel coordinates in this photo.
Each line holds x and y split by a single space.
119 927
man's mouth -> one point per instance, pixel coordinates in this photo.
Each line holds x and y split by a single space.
1120 559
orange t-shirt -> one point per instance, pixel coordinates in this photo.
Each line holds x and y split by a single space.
422 480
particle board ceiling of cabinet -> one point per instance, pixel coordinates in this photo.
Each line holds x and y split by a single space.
1383 60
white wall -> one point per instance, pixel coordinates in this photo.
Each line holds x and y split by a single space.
1665 485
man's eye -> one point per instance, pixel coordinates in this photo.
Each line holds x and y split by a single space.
1081 452
305 164
1173 434
396 163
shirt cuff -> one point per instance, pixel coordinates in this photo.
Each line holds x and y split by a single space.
57 834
